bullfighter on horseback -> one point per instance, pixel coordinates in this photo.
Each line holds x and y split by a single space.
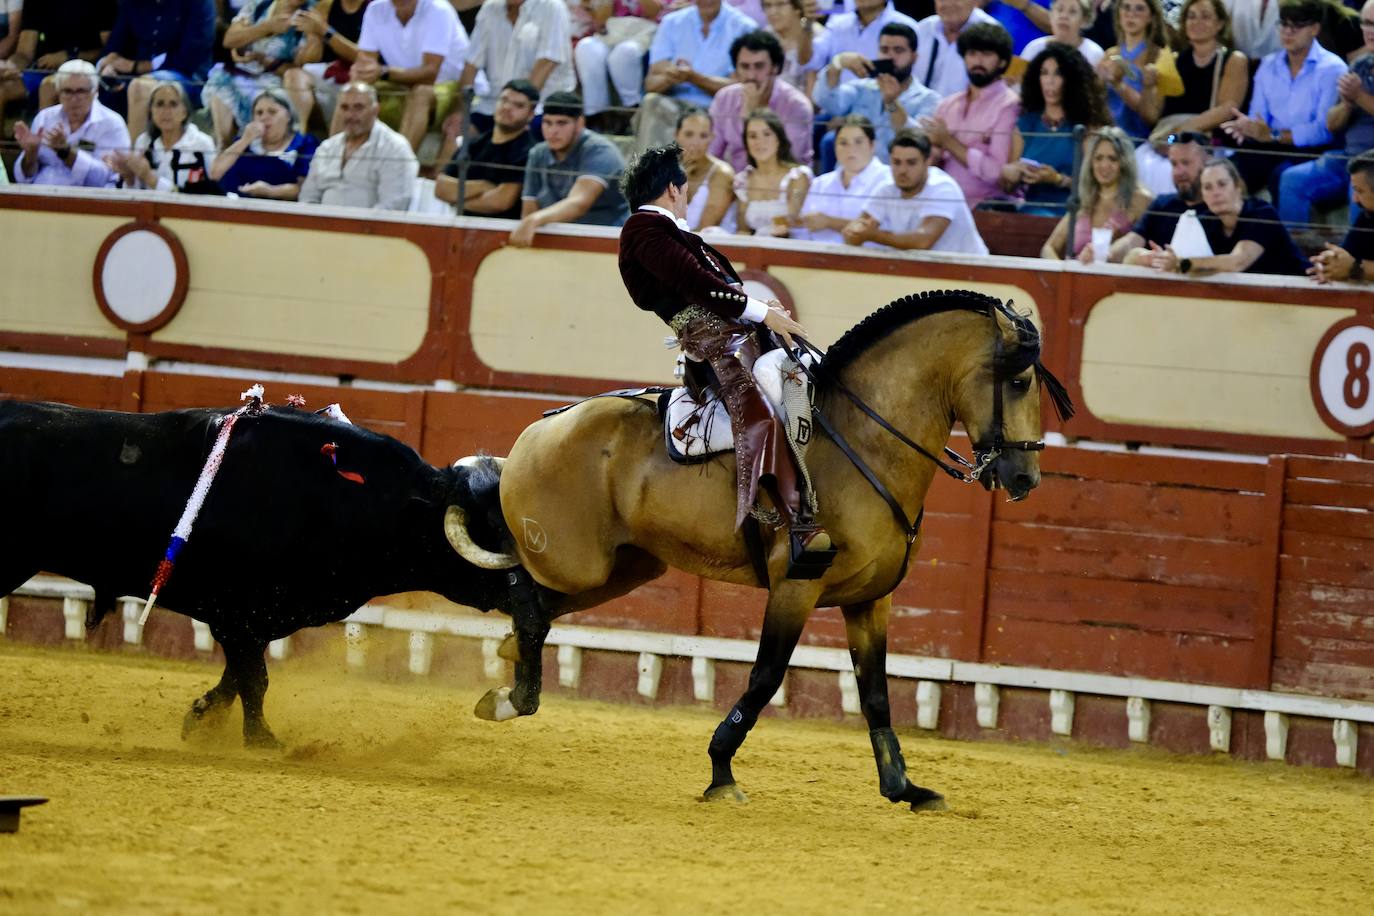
674 273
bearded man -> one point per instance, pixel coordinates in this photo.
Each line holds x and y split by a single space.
972 129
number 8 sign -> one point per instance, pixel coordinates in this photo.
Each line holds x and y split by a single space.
1343 377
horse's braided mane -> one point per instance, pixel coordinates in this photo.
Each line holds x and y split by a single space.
896 314
901 312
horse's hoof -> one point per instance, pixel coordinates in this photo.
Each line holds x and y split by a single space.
510 648
726 793
495 706
925 800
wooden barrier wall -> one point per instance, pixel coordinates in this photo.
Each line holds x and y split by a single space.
1226 572
1248 573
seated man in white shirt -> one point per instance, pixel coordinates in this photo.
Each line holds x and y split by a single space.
837 198
367 165
68 142
921 208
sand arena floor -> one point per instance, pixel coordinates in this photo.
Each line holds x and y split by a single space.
392 798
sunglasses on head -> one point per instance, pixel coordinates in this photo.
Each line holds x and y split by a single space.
1189 136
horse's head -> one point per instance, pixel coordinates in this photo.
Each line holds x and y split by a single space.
999 404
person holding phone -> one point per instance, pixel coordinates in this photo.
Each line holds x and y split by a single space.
889 96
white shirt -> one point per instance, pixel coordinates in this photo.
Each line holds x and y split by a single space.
1092 51
380 174
828 195
102 132
504 52
938 62
433 29
941 196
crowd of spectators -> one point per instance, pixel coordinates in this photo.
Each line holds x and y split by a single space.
1194 137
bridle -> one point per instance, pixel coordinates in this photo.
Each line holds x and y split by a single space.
986 450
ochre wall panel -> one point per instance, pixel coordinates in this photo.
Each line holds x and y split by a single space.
564 313
46 262
1228 366
300 291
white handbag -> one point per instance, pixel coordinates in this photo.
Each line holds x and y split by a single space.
1189 240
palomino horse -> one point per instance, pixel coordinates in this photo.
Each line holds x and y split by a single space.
596 508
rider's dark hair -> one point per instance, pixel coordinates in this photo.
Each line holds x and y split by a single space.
759 40
650 174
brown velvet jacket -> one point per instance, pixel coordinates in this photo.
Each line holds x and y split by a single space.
666 269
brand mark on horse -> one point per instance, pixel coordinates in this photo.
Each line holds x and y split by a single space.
536 539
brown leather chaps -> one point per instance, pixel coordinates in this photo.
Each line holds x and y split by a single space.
762 455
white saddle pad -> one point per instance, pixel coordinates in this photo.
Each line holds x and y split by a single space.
695 431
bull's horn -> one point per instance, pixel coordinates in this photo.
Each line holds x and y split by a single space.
472 461
456 530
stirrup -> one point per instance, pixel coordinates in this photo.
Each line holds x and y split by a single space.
812 552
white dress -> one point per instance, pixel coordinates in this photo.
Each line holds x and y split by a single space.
759 214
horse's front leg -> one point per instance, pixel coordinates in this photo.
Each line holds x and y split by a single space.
866 627
532 607
789 605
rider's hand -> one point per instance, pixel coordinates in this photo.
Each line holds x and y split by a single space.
779 323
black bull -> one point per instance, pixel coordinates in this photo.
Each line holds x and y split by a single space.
307 520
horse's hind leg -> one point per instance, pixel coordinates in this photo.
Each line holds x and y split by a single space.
789 605
866 626
534 607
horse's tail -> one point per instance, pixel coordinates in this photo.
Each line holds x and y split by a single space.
478 520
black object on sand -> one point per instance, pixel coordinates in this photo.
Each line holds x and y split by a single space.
11 805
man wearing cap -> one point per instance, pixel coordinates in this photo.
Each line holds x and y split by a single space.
572 177
672 272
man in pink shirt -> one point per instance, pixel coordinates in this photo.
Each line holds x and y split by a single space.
758 58
972 128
